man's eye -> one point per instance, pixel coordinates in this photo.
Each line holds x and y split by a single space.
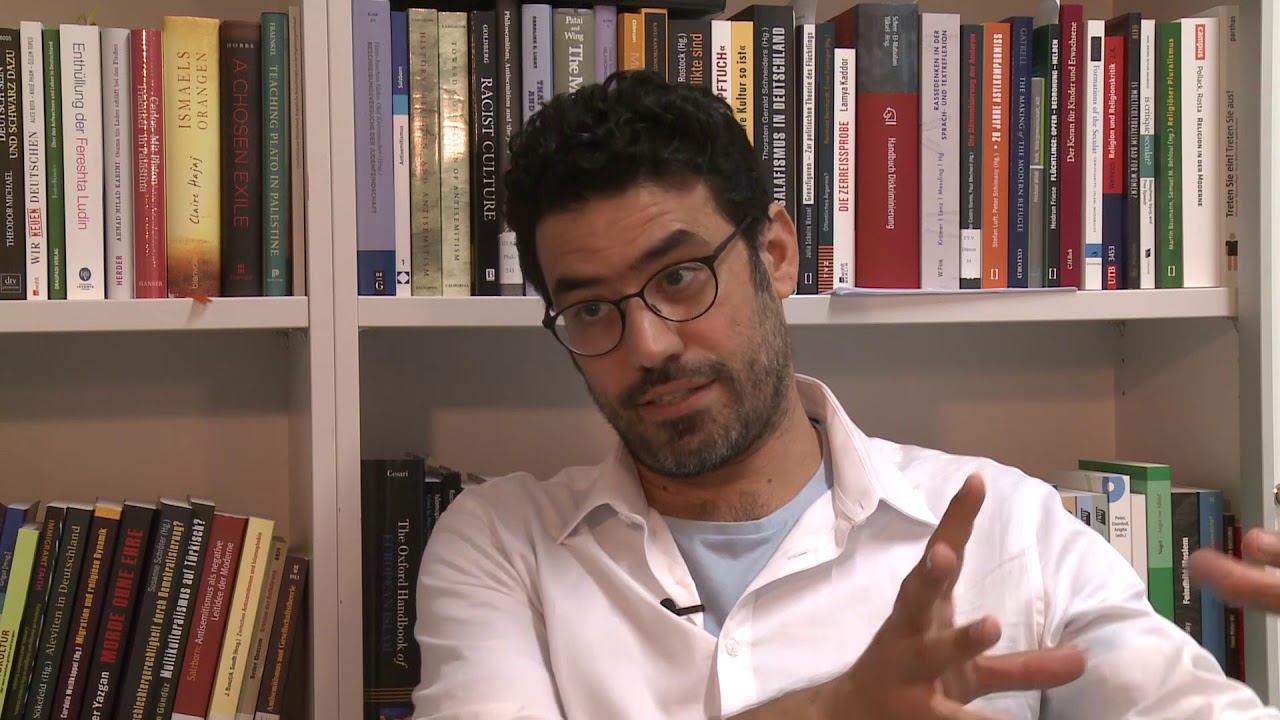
588 311
677 276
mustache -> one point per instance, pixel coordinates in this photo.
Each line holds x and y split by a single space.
672 372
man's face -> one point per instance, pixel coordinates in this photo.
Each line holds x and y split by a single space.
685 397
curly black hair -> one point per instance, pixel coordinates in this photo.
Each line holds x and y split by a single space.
633 127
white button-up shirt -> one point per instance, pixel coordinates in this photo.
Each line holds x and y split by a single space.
540 599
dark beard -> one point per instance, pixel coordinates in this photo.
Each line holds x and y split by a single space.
706 440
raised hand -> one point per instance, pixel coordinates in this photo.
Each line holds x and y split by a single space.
1238 583
920 665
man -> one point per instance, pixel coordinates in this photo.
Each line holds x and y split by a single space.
746 551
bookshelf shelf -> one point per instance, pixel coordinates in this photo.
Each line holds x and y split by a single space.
65 316
895 309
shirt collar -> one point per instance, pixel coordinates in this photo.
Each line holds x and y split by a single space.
862 477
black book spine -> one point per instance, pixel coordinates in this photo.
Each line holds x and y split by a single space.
774 135
13 217
1129 26
179 622
33 614
57 619
241 60
119 613
655 41
1053 163
826 158
1185 510
486 227
509 121
971 89
88 609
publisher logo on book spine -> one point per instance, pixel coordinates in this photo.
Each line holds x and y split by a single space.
1200 41
890 116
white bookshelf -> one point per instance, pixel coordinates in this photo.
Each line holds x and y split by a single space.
232 400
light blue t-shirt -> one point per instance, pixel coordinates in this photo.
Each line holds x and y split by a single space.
724 557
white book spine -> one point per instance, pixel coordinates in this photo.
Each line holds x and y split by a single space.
81 58
403 222
939 152
721 62
1147 154
1091 193
1228 58
31 36
117 135
842 225
1201 158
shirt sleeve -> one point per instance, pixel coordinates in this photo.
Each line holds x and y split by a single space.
1141 666
479 628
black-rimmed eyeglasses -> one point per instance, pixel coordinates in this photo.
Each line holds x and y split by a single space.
679 292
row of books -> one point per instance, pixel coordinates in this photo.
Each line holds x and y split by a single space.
1156 523
400 501
171 609
152 163
913 151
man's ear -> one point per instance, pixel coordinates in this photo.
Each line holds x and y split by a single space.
780 251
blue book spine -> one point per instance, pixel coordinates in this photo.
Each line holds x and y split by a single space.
1019 151
374 147
14 517
400 114
1084 509
1213 612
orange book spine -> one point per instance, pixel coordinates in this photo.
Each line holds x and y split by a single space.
995 157
630 41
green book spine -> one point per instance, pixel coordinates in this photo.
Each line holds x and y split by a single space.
1154 481
15 599
55 200
275 155
1169 155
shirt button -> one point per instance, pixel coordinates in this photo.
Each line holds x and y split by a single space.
731 648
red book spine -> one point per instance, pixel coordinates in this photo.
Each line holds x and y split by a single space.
887 172
1113 161
150 259
1071 224
200 662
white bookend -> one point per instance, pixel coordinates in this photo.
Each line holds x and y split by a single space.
844 117
1091 191
939 151
117 136
81 56
31 35
1201 158
1147 154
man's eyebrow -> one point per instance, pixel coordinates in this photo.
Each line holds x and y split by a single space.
675 240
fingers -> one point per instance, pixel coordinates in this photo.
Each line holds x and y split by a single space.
1237 584
1030 670
1262 546
924 588
956 525
941 651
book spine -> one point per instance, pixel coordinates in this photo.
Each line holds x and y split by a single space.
845 119
573 49
510 118
972 89
721 67
178 625
240 616
13 231
1113 168
400 131
16 599
90 600
679 50
82 161
284 630
150 224
1071 237
1229 63
825 168
654 21
192 80
1147 156
1019 118
774 80
485 223
455 155
200 659
630 41
1091 198
1129 28
375 188
275 154
1185 509
127 568
995 157
536 32
742 87
117 136
297 160
1053 255
242 181
32 63
806 208
1035 243
1201 155
424 151
33 615
1169 156
606 41
887 212
57 619
1212 609
55 212
261 631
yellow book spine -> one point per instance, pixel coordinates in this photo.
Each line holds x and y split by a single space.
193 181
234 655
742 60
24 555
